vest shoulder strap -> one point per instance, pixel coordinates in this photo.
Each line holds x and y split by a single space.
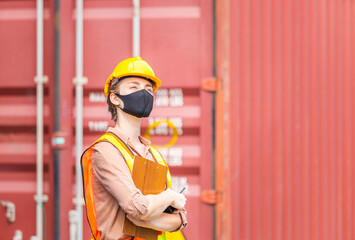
161 160
120 145
128 155
86 167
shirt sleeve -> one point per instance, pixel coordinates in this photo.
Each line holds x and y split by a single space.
111 170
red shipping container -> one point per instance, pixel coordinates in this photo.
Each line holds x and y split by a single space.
181 59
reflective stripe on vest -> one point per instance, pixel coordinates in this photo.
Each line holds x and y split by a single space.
86 169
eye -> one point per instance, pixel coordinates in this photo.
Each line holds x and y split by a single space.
133 87
149 90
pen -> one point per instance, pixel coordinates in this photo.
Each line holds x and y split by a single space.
171 209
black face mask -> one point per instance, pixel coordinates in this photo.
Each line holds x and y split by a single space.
138 104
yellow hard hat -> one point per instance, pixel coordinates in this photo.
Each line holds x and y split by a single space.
132 67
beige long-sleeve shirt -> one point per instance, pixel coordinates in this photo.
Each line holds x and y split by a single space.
114 191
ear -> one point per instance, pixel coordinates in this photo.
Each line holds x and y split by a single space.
114 99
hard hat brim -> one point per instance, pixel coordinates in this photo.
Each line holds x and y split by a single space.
156 80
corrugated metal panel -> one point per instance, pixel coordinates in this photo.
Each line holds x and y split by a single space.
180 58
176 41
18 118
181 65
292 106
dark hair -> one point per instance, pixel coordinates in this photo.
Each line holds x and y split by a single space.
112 107
114 89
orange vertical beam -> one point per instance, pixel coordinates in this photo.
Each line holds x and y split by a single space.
222 163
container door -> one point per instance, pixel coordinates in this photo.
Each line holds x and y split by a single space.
18 120
176 40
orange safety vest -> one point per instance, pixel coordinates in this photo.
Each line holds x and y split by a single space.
86 168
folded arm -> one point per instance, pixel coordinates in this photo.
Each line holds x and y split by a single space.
113 173
158 203
165 222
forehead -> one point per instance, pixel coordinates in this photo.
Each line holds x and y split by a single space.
136 80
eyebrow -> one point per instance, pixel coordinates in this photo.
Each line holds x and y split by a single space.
137 83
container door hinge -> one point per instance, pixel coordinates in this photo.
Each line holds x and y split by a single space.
211 196
211 84
41 79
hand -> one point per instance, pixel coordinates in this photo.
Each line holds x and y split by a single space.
179 200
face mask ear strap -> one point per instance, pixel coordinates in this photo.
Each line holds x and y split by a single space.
119 96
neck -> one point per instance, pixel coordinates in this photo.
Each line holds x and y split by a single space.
129 125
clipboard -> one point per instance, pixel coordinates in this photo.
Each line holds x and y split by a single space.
150 178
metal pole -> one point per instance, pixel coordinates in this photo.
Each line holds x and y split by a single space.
39 80
223 158
39 104
79 81
136 38
136 28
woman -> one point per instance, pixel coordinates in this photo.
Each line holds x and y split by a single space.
109 191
